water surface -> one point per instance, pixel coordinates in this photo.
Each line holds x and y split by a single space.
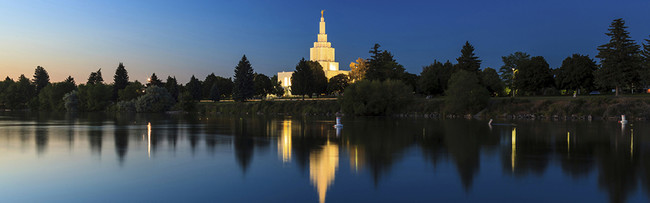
174 158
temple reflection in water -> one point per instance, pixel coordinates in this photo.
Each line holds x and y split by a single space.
375 149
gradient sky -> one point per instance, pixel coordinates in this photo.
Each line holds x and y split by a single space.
184 38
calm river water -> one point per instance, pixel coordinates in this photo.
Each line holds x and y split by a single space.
181 158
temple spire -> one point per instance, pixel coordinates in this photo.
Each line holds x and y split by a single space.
322 22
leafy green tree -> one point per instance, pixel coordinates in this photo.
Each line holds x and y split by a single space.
511 64
576 72
194 88
19 93
243 85
382 66
41 78
465 94
172 87
120 80
338 83
262 84
51 97
94 97
225 86
155 100
619 59
277 90
302 79
468 61
132 91
490 79
154 81
95 77
319 80
534 76
207 84
434 78
215 95
374 97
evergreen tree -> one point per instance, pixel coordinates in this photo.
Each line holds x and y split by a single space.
511 64
154 81
41 78
619 59
70 80
645 70
132 91
172 87
576 72
382 66
120 80
467 60
302 79
95 78
434 78
319 80
534 76
243 85
194 88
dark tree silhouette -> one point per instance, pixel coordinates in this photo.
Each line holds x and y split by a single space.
434 78
154 81
619 58
194 88
382 65
41 78
576 72
243 85
301 79
95 78
467 60
120 80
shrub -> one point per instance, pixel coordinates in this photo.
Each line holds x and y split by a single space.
155 99
465 94
126 106
375 97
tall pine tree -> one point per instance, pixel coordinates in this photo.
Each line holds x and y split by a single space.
243 86
619 59
41 78
194 88
120 80
382 66
468 61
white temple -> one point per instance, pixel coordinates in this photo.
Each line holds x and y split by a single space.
322 52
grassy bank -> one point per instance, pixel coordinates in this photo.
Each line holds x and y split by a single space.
598 107
310 107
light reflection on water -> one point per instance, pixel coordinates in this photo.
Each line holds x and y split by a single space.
253 158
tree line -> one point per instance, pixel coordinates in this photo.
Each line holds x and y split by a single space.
623 66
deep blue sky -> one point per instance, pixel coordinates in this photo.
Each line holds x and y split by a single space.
183 38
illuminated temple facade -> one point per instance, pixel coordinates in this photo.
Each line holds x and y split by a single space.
322 52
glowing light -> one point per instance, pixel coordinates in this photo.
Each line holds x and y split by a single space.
514 148
149 139
356 159
284 142
568 141
322 168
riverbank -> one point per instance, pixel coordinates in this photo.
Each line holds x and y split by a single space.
558 108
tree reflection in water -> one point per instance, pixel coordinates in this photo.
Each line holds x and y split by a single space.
371 145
